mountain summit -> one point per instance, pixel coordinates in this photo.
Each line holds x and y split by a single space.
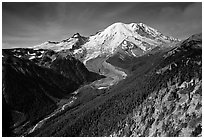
133 35
137 35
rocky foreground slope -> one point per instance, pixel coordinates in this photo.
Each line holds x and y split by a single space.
174 107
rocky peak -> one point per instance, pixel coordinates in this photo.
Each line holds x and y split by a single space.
76 35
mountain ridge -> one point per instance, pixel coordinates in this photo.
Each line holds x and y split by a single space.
107 40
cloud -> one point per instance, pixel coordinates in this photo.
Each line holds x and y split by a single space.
179 22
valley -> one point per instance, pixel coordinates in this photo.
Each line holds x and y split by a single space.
113 74
112 77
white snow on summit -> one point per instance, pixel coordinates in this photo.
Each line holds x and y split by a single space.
107 40
62 45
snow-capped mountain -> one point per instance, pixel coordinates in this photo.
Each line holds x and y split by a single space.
133 35
70 43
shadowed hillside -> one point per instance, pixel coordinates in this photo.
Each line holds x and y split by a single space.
31 91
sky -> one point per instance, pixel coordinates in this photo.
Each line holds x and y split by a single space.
30 24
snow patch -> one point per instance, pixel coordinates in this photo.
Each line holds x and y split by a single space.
32 57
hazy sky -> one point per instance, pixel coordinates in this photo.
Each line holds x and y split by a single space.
29 24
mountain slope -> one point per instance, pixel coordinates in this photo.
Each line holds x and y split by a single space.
34 84
30 91
62 62
164 90
174 108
